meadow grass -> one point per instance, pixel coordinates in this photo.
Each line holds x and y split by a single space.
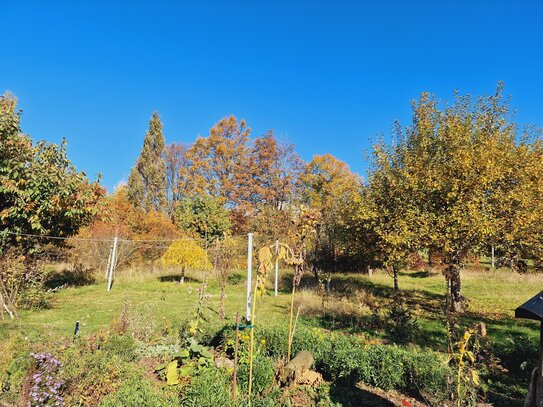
159 300
491 297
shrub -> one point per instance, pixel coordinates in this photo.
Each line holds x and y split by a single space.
402 326
14 377
343 361
427 375
21 283
123 346
385 367
93 369
137 392
263 375
34 297
209 388
344 358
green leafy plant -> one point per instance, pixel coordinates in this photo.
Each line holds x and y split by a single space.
464 360
185 363
402 325
209 387
139 392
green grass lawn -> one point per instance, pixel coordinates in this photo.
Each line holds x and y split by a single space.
153 295
491 297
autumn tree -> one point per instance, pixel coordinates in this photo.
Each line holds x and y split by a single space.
327 184
141 234
386 216
41 193
450 161
178 176
269 175
40 190
203 215
217 158
147 180
186 253
516 205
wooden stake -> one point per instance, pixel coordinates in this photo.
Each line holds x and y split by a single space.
276 265
249 273
236 344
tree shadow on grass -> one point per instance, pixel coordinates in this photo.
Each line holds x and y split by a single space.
72 277
355 397
417 274
176 278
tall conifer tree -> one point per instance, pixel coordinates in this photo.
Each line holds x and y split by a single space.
147 180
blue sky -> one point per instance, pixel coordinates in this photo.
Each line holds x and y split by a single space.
328 76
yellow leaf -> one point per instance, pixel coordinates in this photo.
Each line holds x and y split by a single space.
172 377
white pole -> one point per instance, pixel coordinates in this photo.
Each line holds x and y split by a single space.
276 265
493 264
112 264
108 261
249 273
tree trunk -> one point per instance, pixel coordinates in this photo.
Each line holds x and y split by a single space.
183 271
395 271
316 274
222 311
453 278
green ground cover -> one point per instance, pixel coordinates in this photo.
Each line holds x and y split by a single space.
164 304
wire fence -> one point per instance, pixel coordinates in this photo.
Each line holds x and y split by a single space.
104 255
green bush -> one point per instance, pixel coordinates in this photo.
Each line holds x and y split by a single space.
92 368
210 387
263 375
427 374
270 399
14 377
349 359
123 346
344 358
343 361
385 367
136 393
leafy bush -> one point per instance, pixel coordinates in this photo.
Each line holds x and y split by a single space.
14 377
93 369
263 375
34 297
344 358
136 393
123 346
21 283
402 326
210 387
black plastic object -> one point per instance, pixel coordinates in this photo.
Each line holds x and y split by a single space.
531 309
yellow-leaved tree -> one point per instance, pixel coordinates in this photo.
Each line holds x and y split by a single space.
186 253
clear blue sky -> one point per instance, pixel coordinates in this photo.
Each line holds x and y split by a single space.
326 75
